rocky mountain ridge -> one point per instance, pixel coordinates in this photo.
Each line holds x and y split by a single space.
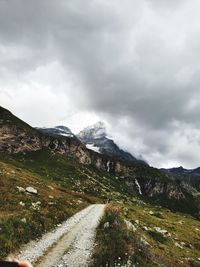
181 170
57 131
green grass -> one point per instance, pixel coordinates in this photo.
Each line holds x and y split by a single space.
73 187
181 228
21 223
68 173
118 245
157 236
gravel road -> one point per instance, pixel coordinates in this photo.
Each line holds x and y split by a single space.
70 244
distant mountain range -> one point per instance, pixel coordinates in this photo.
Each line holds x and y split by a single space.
95 138
189 176
181 170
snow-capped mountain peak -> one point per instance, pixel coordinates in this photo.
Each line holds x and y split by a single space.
95 137
57 131
96 131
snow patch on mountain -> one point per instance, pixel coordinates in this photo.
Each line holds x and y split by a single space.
93 147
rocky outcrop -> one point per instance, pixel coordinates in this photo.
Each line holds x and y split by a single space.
169 189
15 140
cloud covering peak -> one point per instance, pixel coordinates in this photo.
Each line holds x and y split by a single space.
134 64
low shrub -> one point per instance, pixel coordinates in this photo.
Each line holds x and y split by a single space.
157 236
158 215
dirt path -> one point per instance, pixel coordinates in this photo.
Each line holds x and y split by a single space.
70 244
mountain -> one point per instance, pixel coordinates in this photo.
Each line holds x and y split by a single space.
45 179
181 170
186 177
57 131
96 138
151 183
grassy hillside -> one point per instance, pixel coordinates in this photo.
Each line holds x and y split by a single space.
70 174
63 187
25 216
145 235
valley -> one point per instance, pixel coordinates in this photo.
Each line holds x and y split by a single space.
46 179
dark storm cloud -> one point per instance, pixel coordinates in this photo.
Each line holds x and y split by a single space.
136 61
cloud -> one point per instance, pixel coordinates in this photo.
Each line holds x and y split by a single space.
134 64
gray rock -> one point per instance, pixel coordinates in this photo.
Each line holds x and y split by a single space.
106 225
36 205
20 189
23 220
21 203
31 190
178 245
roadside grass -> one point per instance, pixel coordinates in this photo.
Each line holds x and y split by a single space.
173 238
117 244
25 216
135 235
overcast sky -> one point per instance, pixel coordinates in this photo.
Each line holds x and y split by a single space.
134 64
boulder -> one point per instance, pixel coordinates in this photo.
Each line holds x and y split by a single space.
31 190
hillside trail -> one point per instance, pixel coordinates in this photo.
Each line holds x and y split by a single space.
70 244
